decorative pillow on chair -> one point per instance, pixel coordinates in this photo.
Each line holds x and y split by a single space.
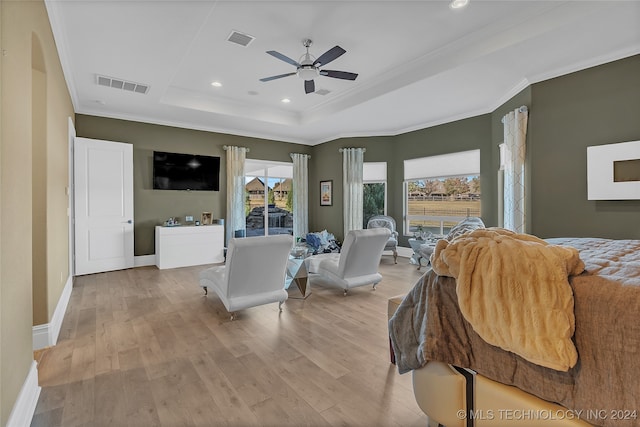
322 242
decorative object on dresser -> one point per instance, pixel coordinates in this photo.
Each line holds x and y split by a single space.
206 218
253 274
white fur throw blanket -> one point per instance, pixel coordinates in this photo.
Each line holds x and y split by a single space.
514 291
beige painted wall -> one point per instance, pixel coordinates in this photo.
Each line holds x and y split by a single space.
21 21
2 412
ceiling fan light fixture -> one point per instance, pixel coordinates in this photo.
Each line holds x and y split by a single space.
308 72
308 68
458 4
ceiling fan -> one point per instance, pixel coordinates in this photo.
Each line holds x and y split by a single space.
309 67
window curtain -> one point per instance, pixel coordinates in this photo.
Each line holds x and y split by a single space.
513 165
235 191
352 160
300 194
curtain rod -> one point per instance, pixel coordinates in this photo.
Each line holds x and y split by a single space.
346 148
302 154
522 109
224 147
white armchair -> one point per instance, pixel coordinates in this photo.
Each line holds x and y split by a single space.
253 274
356 264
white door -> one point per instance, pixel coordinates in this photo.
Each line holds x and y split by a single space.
103 178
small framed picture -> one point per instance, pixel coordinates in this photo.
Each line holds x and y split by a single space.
326 193
206 218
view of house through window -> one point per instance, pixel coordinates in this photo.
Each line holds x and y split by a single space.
268 188
440 191
374 196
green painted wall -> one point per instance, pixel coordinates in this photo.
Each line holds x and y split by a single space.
153 207
600 105
326 164
462 135
591 107
497 137
469 134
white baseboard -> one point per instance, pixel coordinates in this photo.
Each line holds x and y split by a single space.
404 252
144 260
25 405
47 335
41 336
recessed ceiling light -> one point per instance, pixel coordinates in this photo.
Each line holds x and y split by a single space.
216 84
286 100
458 4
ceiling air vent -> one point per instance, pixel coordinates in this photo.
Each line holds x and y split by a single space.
240 38
122 84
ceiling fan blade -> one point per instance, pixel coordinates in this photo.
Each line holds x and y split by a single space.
279 76
283 57
329 56
309 86
345 75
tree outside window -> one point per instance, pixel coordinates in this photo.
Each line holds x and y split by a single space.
373 200
436 204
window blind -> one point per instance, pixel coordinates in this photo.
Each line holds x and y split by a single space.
444 165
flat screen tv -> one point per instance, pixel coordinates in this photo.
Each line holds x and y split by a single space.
176 171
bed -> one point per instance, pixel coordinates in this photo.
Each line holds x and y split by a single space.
454 369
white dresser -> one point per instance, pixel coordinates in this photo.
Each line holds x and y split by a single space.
187 245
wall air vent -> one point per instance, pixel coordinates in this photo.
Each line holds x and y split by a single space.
240 38
122 84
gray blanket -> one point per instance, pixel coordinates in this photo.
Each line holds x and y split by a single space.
604 383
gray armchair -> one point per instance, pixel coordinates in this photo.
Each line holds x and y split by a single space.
465 226
384 221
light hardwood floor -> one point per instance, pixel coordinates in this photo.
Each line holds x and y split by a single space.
145 347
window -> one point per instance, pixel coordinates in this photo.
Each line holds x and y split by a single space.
268 189
440 191
374 197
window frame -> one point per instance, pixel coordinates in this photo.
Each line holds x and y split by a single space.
378 181
460 164
266 165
